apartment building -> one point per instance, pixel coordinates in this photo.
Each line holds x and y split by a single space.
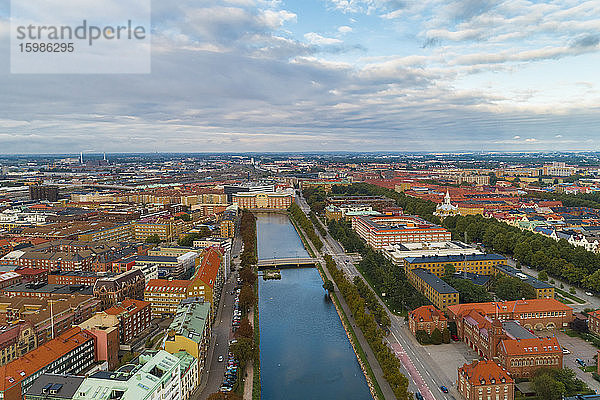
112 290
381 231
16 340
190 331
165 295
134 318
435 289
70 353
481 264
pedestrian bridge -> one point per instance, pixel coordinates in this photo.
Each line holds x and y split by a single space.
287 262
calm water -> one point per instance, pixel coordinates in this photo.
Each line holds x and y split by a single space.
277 237
304 351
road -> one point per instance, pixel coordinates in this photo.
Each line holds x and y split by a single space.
221 335
423 373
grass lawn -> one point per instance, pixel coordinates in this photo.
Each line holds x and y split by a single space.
569 295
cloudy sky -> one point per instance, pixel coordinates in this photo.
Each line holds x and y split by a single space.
305 75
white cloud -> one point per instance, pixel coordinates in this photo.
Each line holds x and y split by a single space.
315 38
344 29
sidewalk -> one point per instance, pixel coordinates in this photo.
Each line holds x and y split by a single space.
377 371
248 384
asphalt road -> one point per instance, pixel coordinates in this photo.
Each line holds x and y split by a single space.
221 335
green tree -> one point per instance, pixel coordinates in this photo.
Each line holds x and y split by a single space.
543 276
328 285
247 297
243 351
153 239
547 388
436 336
422 337
449 270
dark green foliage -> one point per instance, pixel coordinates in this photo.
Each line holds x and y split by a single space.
552 384
436 336
423 337
468 291
446 335
153 239
508 288
301 219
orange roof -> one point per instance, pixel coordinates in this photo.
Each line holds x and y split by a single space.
517 347
518 306
165 285
426 314
16 371
209 268
484 373
131 306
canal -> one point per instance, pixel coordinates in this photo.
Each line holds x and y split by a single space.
304 350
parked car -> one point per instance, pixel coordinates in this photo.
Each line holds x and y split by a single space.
444 389
589 293
220 359
580 362
419 396
566 351
455 338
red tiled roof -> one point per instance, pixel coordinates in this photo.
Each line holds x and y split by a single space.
131 306
483 372
426 313
531 346
16 371
518 306
164 285
209 268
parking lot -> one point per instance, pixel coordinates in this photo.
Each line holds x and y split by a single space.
578 348
450 356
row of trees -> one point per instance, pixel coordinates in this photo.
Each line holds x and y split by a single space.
245 349
436 337
301 219
315 220
381 272
373 305
561 259
373 333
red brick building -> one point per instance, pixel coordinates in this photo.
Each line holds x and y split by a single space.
532 314
426 318
134 317
73 278
522 357
594 322
485 380
33 275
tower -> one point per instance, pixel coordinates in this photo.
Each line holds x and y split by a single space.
81 157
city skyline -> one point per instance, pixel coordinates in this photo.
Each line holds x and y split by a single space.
355 75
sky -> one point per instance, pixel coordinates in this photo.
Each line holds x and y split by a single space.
311 75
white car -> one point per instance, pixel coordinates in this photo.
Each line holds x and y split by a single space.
566 351
589 293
